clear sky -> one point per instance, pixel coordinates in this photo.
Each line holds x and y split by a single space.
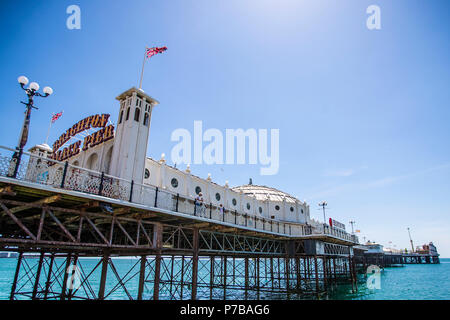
363 114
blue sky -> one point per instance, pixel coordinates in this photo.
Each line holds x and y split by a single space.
363 115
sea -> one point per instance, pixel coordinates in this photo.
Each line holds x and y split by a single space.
408 282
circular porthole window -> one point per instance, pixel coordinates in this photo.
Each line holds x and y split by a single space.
292 209
198 190
260 210
174 183
146 174
248 206
218 196
234 202
277 207
302 210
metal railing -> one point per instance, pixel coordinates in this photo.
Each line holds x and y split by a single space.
63 175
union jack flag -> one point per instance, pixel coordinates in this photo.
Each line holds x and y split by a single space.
155 50
56 116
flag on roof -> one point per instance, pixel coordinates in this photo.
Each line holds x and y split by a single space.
56 116
155 50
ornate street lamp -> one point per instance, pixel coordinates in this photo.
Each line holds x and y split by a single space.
31 91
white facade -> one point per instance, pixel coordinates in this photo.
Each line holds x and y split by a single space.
125 156
249 199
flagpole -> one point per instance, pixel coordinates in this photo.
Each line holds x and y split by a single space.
49 126
142 72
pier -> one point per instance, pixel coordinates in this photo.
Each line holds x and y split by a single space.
389 259
70 225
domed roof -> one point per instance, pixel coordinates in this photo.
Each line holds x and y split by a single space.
263 193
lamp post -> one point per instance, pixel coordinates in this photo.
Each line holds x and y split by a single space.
352 223
31 91
323 204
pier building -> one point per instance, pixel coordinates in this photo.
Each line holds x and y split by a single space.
100 196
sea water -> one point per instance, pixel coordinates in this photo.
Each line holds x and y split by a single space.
417 281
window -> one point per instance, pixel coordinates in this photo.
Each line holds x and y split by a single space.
248 206
218 196
146 117
198 190
137 113
234 202
277 207
174 182
146 174
292 209
137 102
302 210
121 117
260 210
128 114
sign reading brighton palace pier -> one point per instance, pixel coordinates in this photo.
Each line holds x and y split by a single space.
96 121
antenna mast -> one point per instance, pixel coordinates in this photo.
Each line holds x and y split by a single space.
410 239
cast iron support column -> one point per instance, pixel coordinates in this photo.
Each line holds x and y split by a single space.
157 243
16 276
142 276
194 264
101 290
246 276
66 275
75 261
317 275
38 275
49 275
225 278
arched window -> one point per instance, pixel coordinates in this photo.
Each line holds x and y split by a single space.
121 117
128 114
137 113
107 161
92 161
146 119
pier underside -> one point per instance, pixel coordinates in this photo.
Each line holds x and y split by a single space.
71 247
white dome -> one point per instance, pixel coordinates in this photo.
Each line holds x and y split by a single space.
263 193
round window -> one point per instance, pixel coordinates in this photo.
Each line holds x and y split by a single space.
146 174
260 210
234 202
218 196
302 210
174 182
292 209
248 206
198 190
277 207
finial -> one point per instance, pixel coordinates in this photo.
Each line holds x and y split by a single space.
163 156
226 184
250 182
209 177
188 168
